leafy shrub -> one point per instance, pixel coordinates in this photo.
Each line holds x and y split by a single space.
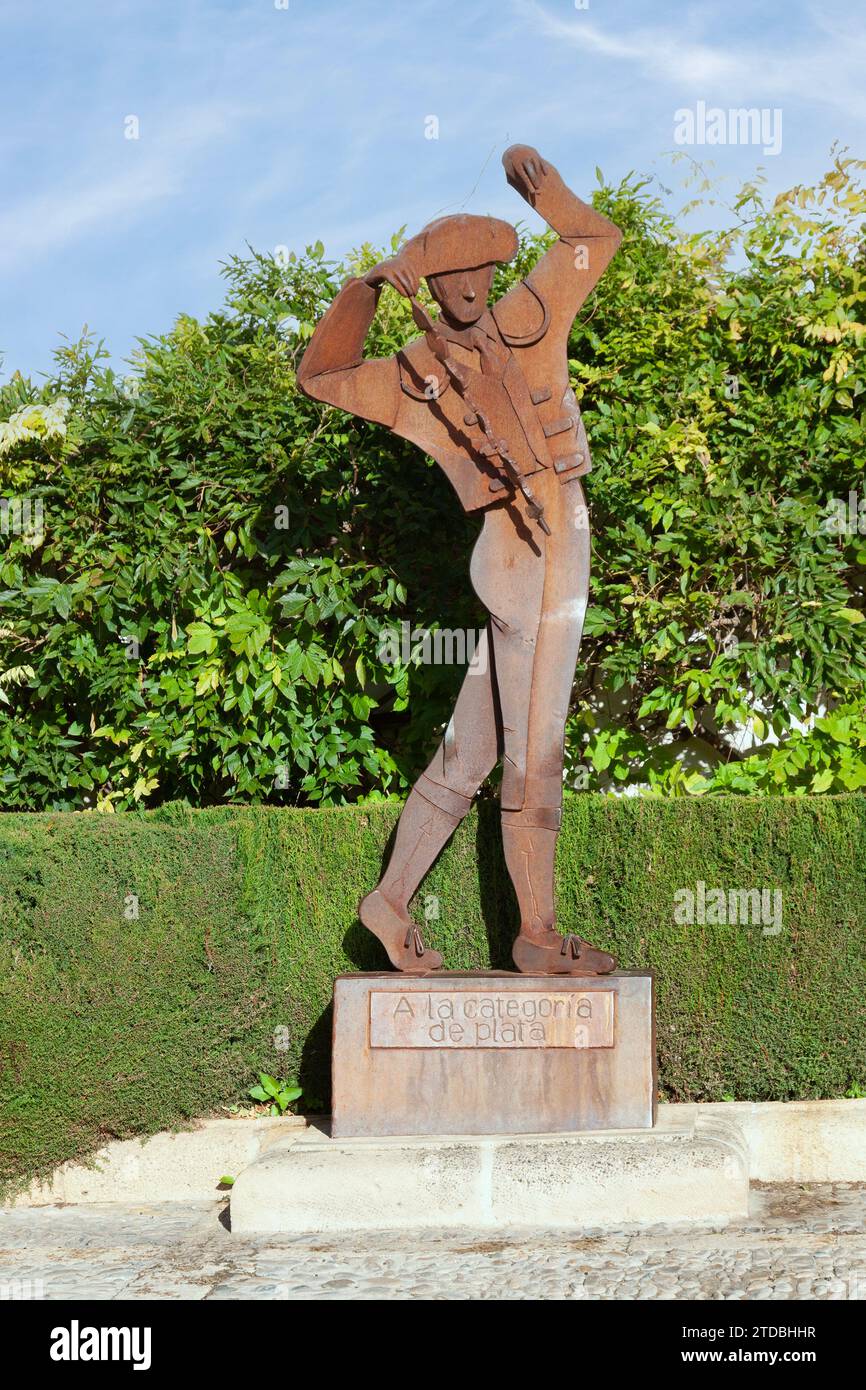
198 609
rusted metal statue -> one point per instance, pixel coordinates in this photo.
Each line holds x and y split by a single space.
485 392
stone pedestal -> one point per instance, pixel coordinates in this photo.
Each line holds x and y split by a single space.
492 1053
686 1169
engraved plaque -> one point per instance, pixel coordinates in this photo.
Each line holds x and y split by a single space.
492 1052
491 1019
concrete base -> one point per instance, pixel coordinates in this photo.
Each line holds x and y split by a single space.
167 1167
804 1141
692 1172
799 1140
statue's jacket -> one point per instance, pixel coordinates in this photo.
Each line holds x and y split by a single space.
528 403
516 354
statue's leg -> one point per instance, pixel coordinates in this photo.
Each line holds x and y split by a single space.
435 807
533 763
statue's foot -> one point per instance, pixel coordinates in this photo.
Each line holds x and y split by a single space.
549 953
398 934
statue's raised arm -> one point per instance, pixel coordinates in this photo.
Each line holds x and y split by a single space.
571 268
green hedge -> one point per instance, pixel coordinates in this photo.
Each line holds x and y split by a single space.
112 1025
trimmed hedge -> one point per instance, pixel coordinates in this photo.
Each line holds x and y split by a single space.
113 1024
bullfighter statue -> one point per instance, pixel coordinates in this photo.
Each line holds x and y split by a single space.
485 392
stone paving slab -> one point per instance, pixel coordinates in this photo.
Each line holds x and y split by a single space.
798 1242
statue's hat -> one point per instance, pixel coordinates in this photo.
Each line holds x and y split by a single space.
461 242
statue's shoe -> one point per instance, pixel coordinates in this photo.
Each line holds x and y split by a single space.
399 935
560 955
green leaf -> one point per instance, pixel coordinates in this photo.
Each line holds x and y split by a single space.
201 639
600 758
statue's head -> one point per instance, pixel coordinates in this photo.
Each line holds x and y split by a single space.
457 256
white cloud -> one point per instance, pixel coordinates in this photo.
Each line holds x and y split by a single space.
48 221
144 172
759 72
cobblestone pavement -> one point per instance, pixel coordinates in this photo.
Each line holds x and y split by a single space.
799 1242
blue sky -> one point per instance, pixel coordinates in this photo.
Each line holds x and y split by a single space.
279 126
